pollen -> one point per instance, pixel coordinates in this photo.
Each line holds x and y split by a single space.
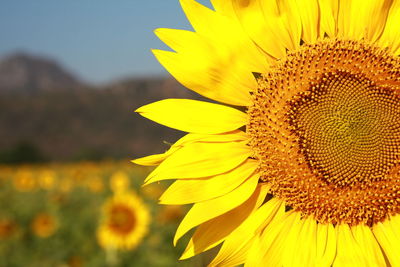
325 126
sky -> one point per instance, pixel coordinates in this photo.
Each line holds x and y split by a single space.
97 40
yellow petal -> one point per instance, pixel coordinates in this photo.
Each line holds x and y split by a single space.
377 20
151 160
368 244
284 20
194 116
251 16
199 160
292 241
191 191
156 159
309 14
214 231
234 250
360 18
224 7
391 34
233 136
301 243
270 247
272 25
180 40
395 224
226 34
328 17
388 240
348 252
204 211
217 61
326 245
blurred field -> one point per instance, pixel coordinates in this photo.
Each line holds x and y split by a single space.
49 215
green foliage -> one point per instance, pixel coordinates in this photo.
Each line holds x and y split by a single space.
77 210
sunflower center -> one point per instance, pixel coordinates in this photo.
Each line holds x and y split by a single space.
122 220
325 125
349 130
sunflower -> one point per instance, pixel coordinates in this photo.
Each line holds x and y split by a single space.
124 223
299 163
47 179
44 225
94 183
119 182
24 180
7 228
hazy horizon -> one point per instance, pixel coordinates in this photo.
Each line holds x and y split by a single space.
98 43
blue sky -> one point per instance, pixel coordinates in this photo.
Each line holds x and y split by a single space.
98 40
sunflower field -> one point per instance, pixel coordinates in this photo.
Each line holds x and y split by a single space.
86 214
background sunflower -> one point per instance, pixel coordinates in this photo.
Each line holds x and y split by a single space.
125 222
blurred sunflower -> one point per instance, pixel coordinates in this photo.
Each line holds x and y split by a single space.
119 182
95 184
124 223
44 225
7 228
66 184
47 179
24 180
306 172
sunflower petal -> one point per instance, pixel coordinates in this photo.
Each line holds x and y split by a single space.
359 18
348 251
309 14
201 212
217 61
202 72
368 244
233 136
180 40
270 245
300 245
224 7
236 245
376 23
156 159
388 241
214 231
191 191
194 116
326 245
391 34
199 160
258 28
226 34
284 22
152 160
328 17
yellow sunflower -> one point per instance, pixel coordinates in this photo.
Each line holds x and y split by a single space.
44 225
24 180
47 179
119 182
125 222
300 167
7 228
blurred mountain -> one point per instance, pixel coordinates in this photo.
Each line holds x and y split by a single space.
66 120
27 73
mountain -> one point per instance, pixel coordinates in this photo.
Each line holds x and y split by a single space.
55 117
22 72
